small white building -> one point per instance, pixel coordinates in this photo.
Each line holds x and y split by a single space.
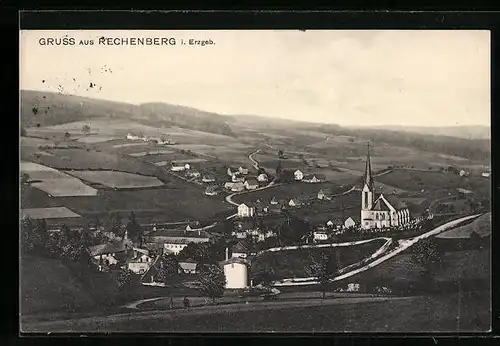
313 178
298 175
132 137
140 262
236 272
294 202
321 194
237 177
463 173
188 266
243 170
486 174
176 168
245 211
320 236
208 178
251 184
352 287
262 178
349 222
193 174
228 185
274 201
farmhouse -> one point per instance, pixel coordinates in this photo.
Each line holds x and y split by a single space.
207 178
188 266
140 262
243 170
298 175
194 226
320 235
262 178
263 235
245 211
294 202
237 177
111 253
274 200
212 190
150 277
179 168
239 234
230 171
386 211
193 174
238 187
251 184
463 173
176 240
313 178
486 174
240 250
228 185
132 137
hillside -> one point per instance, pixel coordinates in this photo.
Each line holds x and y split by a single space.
467 132
46 109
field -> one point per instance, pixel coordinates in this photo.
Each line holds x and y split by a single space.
482 226
295 263
95 139
55 183
439 313
118 180
48 213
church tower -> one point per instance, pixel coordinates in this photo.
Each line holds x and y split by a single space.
367 194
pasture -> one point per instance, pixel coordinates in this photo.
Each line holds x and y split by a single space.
295 263
119 180
48 213
54 182
481 226
95 139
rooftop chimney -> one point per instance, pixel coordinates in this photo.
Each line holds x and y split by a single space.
227 253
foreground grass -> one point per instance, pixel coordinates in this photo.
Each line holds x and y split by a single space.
467 312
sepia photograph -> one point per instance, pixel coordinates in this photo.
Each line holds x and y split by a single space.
256 181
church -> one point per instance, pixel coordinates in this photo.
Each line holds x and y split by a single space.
385 211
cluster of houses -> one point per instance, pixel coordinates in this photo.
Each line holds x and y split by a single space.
308 178
132 137
241 181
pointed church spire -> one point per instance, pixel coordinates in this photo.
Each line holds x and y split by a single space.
368 179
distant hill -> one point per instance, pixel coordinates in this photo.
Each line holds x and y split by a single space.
46 108
468 132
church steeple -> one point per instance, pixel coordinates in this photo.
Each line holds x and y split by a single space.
368 178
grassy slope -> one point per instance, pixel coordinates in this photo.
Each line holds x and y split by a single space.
481 226
294 263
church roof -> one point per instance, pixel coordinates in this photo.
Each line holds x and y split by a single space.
368 177
386 203
395 202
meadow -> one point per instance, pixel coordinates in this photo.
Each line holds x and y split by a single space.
119 180
295 263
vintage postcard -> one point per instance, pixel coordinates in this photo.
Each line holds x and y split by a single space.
255 181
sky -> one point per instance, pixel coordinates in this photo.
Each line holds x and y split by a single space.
350 78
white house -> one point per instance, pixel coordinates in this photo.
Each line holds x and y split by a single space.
294 202
176 168
132 137
349 222
188 266
243 170
320 235
237 177
321 194
298 175
463 173
239 234
141 261
352 287
313 178
228 185
193 174
262 178
274 200
251 184
245 211
239 251
207 178
238 187
485 174
230 171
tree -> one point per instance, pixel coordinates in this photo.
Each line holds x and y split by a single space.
86 129
23 132
280 154
323 268
426 254
134 230
34 236
279 168
24 178
265 277
167 266
212 281
123 279
115 225
67 135
72 246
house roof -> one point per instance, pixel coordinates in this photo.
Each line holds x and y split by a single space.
111 247
179 233
235 260
238 184
252 181
143 251
188 265
318 176
353 218
212 188
298 170
240 247
395 201
262 174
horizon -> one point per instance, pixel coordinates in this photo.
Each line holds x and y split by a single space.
357 79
